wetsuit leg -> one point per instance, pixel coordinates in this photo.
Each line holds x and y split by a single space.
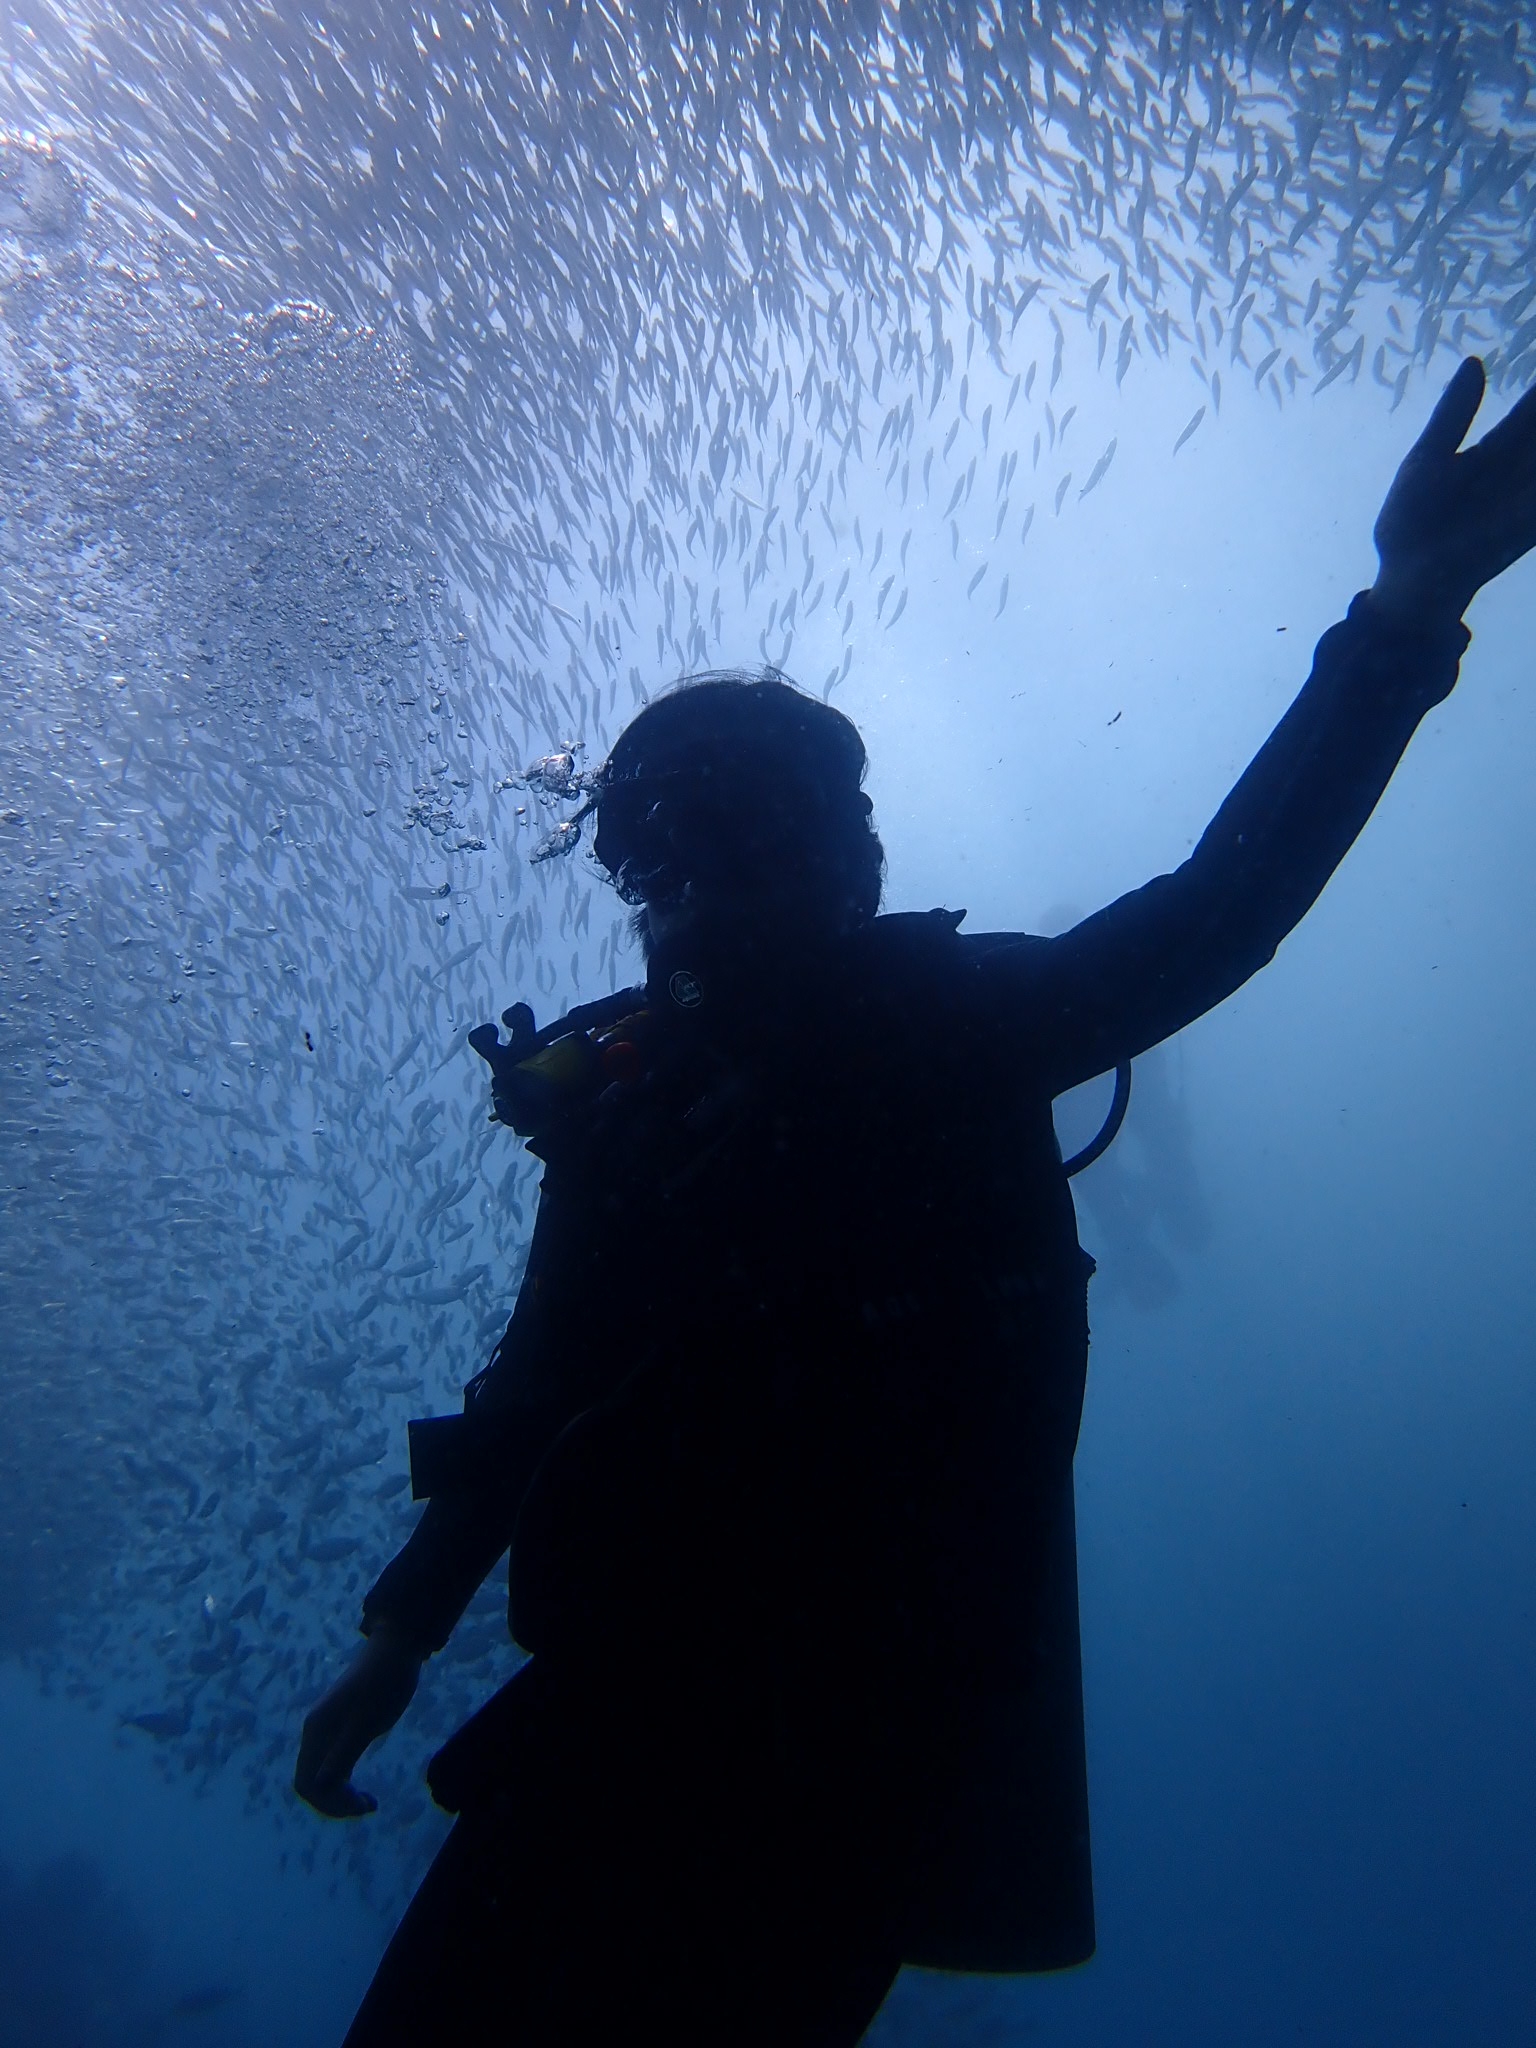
633 1906
443 1977
488 1955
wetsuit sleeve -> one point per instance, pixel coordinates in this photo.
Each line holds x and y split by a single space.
1141 969
524 1398
425 1588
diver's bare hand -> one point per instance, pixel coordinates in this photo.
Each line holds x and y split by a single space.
364 1703
1453 520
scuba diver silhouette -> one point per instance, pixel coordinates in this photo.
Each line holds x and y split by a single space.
780 1434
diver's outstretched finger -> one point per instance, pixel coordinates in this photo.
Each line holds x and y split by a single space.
342 1759
314 1743
323 1780
1454 412
347 1801
1516 432
336 1800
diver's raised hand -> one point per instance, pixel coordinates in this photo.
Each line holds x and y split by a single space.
364 1703
1456 517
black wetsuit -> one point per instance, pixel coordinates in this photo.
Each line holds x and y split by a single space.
788 1407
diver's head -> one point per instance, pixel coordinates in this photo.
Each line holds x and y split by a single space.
734 803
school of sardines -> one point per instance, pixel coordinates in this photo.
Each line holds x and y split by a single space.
389 401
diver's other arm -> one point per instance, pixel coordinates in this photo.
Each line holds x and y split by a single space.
1149 964
364 1703
409 1613
412 1608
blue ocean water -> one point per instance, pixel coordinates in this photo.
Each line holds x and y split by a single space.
265 863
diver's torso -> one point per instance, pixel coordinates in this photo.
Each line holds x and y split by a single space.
825 1243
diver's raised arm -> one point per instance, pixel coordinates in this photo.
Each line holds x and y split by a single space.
1152 962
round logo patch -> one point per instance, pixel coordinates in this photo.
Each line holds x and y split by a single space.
685 990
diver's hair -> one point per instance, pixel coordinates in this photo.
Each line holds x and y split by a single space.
780 771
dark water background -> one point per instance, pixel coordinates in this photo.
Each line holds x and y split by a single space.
1306 1511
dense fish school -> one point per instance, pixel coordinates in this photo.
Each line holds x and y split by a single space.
389 398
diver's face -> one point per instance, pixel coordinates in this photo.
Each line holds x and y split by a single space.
733 877
704 884
666 923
